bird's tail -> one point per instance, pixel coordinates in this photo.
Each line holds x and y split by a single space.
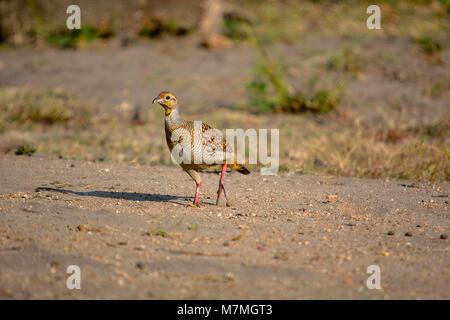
239 168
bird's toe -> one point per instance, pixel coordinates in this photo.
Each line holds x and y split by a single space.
194 205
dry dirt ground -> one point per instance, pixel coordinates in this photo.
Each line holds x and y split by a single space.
286 236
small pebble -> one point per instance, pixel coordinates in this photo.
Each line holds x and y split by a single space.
281 256
443 236
83 227
229 276
391 233
408 234
139 265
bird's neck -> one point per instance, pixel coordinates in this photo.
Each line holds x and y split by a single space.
173 118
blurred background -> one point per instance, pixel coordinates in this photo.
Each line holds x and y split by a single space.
348 100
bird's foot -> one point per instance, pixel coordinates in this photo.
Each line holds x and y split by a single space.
194 205
228 203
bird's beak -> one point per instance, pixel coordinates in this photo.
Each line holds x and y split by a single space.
155 100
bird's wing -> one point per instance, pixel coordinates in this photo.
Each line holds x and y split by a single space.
214 145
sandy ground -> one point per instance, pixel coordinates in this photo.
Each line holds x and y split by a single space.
287 236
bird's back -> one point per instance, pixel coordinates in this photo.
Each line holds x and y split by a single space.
205 144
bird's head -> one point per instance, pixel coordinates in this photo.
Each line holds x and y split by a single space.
167 100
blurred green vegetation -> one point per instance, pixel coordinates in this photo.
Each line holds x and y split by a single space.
269 92
429 45
66 38
234 26
159 28
273 21
25 149
316 100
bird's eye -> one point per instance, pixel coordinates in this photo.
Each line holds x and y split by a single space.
167 97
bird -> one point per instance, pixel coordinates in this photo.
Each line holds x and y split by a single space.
198 149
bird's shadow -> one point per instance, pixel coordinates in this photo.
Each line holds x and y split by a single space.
134 196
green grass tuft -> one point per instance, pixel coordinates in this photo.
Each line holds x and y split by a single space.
429 45
162 234
65 38
269 91
25 149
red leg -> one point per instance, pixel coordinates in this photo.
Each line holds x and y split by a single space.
197 192
222 179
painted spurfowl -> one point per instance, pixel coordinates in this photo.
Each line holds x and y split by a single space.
196 146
